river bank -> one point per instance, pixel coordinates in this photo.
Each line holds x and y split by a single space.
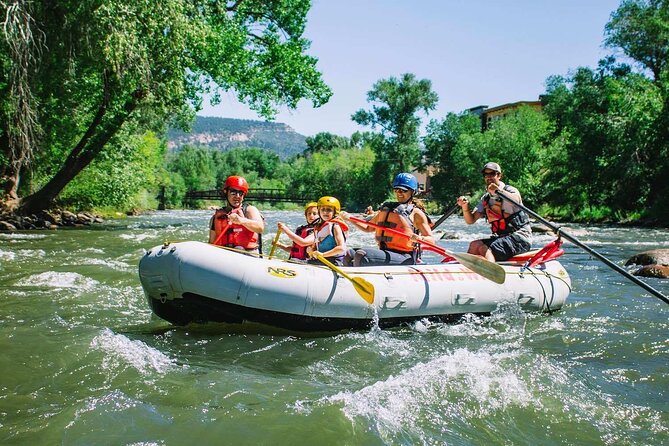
51 219
54 218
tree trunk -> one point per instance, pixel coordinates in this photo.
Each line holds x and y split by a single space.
9 177
91 144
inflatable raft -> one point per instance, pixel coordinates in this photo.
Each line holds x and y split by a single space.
194 282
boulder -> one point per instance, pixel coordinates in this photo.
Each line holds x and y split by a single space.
541 229
68 218
6 226
84 218
449 236
656 271
51 217
653 257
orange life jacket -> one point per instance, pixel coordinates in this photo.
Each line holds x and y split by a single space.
395 216
233 235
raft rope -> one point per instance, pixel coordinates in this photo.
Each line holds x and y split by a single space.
361 271
381 273
550 278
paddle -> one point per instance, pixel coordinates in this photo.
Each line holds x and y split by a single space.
274 242
448 213
364 288
561 233
479 265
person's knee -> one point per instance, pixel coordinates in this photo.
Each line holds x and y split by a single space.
477 247
358 257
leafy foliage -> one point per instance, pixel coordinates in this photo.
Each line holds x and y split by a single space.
107 67
520 144
395 107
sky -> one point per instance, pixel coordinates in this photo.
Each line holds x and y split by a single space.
485 52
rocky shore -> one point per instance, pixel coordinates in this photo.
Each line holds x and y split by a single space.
47 220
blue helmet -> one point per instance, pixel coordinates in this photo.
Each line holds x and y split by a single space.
407 181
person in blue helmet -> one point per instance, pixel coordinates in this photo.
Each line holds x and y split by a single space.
403 215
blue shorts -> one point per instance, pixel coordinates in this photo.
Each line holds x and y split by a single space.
506 246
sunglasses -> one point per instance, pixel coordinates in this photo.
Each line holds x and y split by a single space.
398 189
489 173
236 192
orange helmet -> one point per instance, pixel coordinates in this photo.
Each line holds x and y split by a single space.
236 182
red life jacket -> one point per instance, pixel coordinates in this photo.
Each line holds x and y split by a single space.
300 252
233 235
501 224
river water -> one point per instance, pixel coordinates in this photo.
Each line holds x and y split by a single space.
84 361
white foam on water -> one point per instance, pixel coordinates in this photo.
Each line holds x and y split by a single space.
113 264
54 279
460 382
121 350
138 237
90 249
7 255
116 401
32 253
11 236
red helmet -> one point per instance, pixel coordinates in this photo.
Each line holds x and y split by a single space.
236 182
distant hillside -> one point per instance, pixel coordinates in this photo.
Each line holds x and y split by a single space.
226 133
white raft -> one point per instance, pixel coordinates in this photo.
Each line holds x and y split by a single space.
197 282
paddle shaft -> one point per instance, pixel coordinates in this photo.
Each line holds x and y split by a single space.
433 247
479 265
364 288
274 242
448 213
609 263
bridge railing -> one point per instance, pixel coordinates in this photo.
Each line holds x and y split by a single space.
256 194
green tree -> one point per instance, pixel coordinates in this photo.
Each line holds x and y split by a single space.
74 73
341 172
457 147
195 166
640 28
443 142
325 141
396 107
607 121
119 178
250 162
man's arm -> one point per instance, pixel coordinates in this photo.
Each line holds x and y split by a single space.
253 222
470 215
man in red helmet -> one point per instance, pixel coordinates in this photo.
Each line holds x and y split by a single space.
236 225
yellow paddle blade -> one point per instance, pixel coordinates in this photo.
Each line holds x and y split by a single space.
364 288
481 266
